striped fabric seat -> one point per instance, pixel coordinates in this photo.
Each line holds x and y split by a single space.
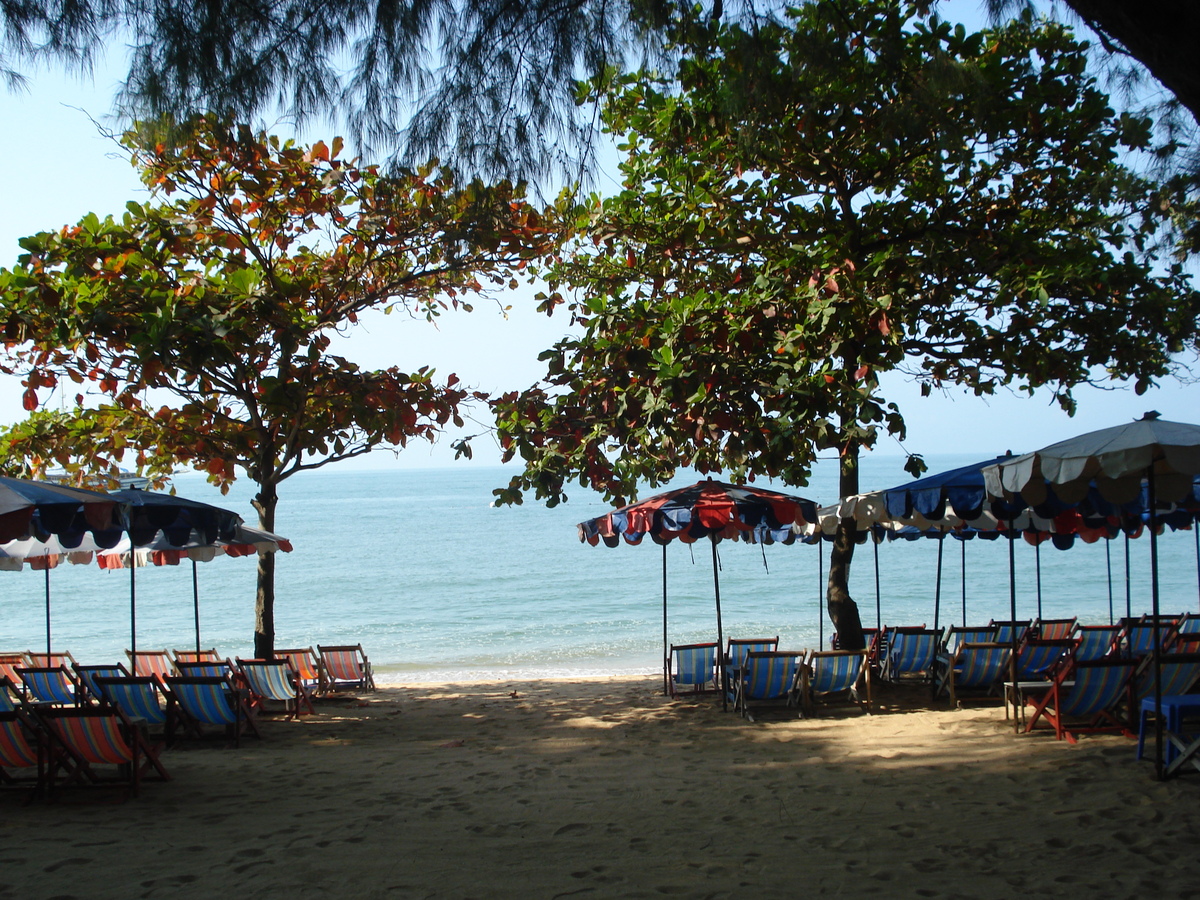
1139 638
974 666
193 656
9 663
767 677
1036 658
206 669
87 737
910 652
211 701
835 672
18 742
88 675
1095 641
736 650
1007 632
1054 629
50 660
692 667
306 665
1179 672
274 680
56 685
346 666
150 662
9 696
137 696
1087 692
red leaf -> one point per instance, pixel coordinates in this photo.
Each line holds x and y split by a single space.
29 400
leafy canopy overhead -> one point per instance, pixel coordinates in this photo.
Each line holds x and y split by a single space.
222 294
867 189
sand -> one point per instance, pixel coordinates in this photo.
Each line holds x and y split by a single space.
606 788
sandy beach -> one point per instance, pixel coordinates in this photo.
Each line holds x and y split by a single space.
606 788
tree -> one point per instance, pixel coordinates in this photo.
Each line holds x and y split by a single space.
895 195
223 299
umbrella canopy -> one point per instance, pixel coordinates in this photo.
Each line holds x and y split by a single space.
711 509
40 509
180 521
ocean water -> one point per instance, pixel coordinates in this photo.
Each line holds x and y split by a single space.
439 585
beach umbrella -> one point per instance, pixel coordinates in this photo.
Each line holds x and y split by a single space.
711 510
244 541
1165 455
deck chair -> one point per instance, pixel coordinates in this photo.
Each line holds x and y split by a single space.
306 664
83 738
9 663
55 685
217 668
22 746
1086 691
194 656
346 666
834 672
150 662
911 651
50 660
1179 672
735 656
88 674
1095 641
770 677
141 698
202 701
1037 657
957 635
277 681
1007 632
1052 629
974 666
1138 637
692 668
10 697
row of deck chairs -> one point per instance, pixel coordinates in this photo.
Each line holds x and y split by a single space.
754 672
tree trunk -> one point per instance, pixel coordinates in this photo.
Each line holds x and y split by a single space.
843 611
264 604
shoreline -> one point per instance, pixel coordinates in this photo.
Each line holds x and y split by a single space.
601 786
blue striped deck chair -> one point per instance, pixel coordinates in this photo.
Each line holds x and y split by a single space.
767 678
1088 692
22 746
274 680
1052 629
692 668
1007 632
1179 672
218 668
829 673
911 651
974 667
141 698
1037 657
86 737
88 675
1095 641
210 700
55 685
735 655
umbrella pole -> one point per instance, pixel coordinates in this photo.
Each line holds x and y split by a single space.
666 646
1128 590
133 607
47 614
937 588
962 546
196 604
1108 566
1196 534
1157 651
1037 560
1012 615
720 636
820 586
878 604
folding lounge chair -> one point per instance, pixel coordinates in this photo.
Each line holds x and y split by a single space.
736 650
767 678
1007 631
1095 641
82 738
9 663
274 680
22 746
835 672
204 701
194 656
10 697
692 668
911 651
1089 692
150 662
88 674
141 698
1037 657
1179 672
50 660
306 664
346 666
221 668
1053 629
57 685
974 666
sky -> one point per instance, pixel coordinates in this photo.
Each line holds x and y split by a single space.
58 167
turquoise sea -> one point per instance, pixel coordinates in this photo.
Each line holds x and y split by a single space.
439 585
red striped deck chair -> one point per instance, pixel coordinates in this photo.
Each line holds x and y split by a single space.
306 665
826 674
194 656
9 663
204 701
150 662
10 697
50 660
88 675
141 698
56 685
88 737
1088 693
274 680
346 666
21 747
1053 629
